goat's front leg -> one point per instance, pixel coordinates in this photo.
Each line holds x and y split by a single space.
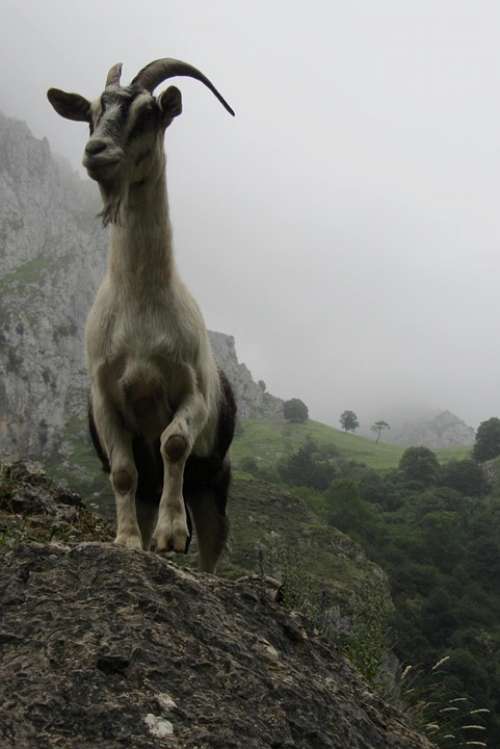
177 441
117 443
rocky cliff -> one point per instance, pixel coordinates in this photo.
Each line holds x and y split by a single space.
253 400
52 256
104 647
436 431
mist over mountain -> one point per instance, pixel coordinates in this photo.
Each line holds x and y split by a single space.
421 426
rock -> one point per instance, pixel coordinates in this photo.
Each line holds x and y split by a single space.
438 431
196 661
253 400
32 508
103 647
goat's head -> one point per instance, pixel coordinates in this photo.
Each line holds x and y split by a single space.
127 124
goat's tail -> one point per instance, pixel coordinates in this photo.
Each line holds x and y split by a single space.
101 453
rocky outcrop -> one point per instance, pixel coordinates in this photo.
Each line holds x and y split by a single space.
104 647
254 402
52 257
32 508
52 254
441 430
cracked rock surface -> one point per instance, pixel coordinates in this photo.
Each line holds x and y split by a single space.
104 647
101 647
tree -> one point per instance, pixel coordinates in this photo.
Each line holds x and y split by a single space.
349 421
295 411
487 444
378 428
306 468
464 476
419 464
348 512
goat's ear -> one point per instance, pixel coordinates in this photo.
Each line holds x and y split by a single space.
71 106
170 102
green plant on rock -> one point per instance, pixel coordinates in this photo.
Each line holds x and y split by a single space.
451 722
367 643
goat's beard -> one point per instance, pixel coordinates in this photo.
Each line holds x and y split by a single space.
112 197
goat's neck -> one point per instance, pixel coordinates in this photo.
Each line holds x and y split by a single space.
141 256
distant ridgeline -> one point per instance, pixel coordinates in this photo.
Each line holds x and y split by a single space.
435 431
52 256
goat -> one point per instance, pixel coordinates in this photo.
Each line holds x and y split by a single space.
161 414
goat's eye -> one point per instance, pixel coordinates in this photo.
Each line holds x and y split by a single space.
143 120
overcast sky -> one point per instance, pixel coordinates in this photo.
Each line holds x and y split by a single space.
345 226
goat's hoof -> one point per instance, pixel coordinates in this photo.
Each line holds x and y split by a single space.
130 541
173 537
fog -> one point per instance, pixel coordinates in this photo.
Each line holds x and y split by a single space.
344 226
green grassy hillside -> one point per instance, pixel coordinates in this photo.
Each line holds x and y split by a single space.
267 442
274 528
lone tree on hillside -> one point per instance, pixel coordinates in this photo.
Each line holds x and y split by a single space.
379 427
295 410
349 421
487 444
419 464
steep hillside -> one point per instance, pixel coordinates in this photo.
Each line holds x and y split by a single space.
51 256
268 442
253 400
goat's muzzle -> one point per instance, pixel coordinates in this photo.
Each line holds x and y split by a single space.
102 158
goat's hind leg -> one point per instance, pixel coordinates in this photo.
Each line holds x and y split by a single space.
208 509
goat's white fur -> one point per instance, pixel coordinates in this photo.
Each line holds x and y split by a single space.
145 333
145 337
152 372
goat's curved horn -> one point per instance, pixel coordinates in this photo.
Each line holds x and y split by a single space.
114 74
159 70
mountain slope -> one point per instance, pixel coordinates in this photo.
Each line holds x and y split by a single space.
439 430
268 442
52 254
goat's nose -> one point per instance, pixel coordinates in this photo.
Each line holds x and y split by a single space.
95 146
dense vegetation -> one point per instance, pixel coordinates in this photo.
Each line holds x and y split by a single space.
435 529
487 444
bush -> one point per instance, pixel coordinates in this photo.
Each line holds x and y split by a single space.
487 444
464 476
305 468
295 411
419 464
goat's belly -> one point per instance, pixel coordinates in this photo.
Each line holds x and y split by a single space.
144 400
148 416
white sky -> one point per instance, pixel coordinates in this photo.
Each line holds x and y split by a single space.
345 225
